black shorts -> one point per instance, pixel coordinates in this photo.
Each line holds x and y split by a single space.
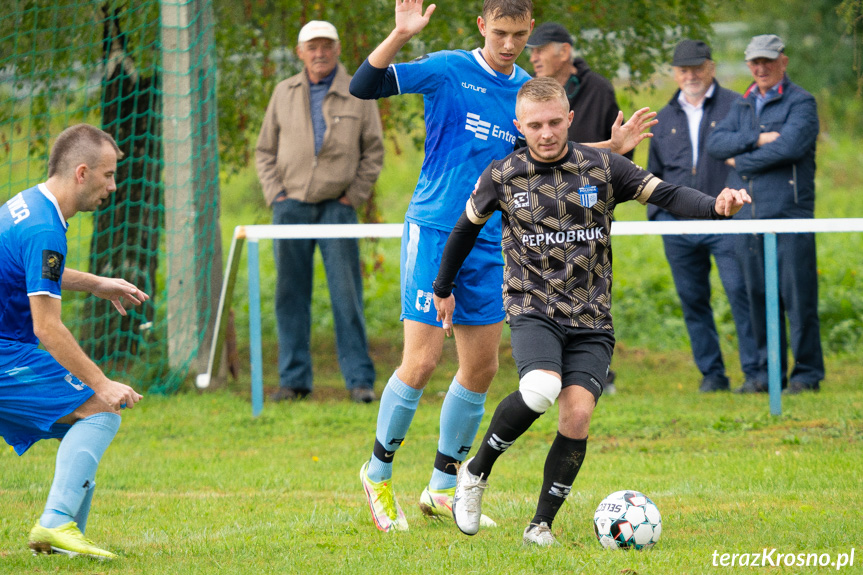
581 356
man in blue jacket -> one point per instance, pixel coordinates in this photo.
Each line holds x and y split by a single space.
769 138
677 156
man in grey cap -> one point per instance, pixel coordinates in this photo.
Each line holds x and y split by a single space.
590 95
677 156
769 138
318 155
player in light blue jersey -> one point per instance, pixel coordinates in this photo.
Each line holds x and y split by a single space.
469 100
58 392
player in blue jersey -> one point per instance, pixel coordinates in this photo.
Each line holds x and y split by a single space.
469 100
58 392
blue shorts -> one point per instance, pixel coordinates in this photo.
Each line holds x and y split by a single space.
36 391
478 286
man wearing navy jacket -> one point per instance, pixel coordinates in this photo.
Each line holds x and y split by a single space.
677 156
769 138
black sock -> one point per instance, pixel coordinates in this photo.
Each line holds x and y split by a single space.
561 466
511 418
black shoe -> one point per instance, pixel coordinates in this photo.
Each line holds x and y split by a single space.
713 383
752 386
289 394
795 387
363 395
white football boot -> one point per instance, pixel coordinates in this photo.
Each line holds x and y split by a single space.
467 501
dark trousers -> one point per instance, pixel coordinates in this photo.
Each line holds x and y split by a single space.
295 269
689 258
798 300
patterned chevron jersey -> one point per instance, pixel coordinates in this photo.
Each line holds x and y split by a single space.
556 225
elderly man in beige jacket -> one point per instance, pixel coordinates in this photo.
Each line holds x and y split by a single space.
318 155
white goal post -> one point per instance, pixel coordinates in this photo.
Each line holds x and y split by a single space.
253 234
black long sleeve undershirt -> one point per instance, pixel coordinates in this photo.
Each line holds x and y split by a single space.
686 202
459 244
370 83
681 200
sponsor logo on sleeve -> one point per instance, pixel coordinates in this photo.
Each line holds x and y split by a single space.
52 263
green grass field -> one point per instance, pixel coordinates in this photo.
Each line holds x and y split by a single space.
194 484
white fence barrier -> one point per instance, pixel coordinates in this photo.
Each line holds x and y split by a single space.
253 234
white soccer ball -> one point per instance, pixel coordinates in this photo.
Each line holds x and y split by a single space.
627 520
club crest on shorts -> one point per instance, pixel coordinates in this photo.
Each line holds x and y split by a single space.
587 195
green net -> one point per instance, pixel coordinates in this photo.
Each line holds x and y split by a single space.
144 71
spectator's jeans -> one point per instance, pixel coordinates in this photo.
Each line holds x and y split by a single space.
294 269
689 258
798 299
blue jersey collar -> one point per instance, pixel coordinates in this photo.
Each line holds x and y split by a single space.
477 55
45 192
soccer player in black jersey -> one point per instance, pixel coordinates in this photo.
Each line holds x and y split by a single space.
557 200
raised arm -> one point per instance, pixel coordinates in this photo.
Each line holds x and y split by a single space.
410 21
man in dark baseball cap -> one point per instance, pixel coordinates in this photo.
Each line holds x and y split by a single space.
547 33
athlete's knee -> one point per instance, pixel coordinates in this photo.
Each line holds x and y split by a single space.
539 390
416 371
477 375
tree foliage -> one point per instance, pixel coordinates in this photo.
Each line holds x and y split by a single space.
256 40
851 12
53 52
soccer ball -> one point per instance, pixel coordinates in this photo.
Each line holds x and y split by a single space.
627 520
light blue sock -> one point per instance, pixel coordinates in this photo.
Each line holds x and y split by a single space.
80 518
460 417
75 472
398 404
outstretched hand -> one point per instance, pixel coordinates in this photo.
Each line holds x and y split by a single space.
116 290
410 19
729 201
624 137
445 308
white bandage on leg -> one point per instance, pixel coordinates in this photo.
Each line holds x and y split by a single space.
539 390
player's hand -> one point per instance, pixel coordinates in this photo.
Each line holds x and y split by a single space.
117 395
729 201
116 290
445 308
410 19
624 137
